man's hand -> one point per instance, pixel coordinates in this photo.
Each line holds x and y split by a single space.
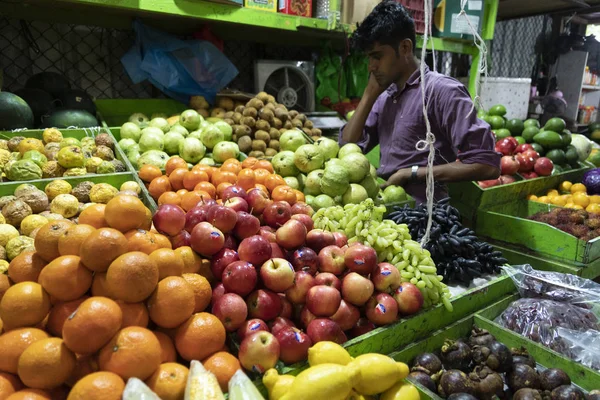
373 89
400 178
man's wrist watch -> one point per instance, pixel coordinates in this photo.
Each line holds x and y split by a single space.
413 173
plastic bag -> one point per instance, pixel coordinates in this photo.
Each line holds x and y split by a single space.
331 82
202 384
242 388
179 68
357 74
137 390
583 346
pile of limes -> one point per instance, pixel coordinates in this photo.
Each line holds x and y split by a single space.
570 195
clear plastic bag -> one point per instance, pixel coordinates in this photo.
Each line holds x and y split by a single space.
137 390
179 68
242 388
584 346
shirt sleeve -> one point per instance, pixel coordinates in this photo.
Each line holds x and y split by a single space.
471 137
370 135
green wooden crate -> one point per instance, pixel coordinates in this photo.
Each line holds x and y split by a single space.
507 223
115 112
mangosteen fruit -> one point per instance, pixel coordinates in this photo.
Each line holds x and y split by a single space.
461 396
522 376
527 394
428 363
455 381
456 355
567 392
480 337
423 379
522 356
495 355
488 383
552 378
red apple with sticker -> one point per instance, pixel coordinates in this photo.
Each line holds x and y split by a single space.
341 239
346 316
232 192
255 249
277 213
231 310
264 304
291 235
318 239
386 278
323 301
331 259
409 299
280 323
360 259
308 222
382 309
206 239
328 279
356 289
257 201
259 352
240 277
305 259
303 281
362 326
294 345
324 329
277 274
237 204
251 326
221 260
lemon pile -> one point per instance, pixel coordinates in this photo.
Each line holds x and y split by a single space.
570 195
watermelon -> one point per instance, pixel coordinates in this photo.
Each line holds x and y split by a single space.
40 101
50 82
15 113
77 99
61 118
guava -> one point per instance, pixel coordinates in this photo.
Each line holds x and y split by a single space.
349 148
56 187
70 157
133 157
126 144
131 186
28 144
160 123
226 129
208 161
312 184
130 130
210 136
180 129
106 167
225 150
371 186
292 182
334 161
373 171
92 164
66 205
191 150
335 180
329 147
190 120
104 152
119 165
38 158
52 170
394 194
80 171
15 212
24 170
153 157
291 140
24 188
152 141
7 232
309 199
32 222
104 139
88 141
357 165
322 201
18 245
102 193
52 135
308 157
81 191
355 194
139 119
196 134
70 141
172 141
283 164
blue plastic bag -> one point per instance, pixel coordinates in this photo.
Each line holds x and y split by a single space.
179 68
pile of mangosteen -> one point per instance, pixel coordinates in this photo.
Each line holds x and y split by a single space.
482 368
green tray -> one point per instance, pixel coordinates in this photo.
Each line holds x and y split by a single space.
115 112
507 223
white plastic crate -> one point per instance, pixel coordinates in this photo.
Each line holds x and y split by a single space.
512 93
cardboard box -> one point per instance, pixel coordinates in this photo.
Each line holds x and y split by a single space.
354 11
265 5
301 8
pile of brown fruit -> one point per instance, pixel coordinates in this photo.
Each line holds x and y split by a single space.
579 223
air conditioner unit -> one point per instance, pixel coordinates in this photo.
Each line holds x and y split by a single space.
292 83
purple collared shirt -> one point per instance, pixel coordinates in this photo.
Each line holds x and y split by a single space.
396 123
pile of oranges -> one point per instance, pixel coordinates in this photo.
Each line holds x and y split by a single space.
570 195
108 299
185 187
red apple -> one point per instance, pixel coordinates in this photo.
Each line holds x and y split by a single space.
529 175
409 298
287 309
237 204
291 235
346 316
543 166
356 289
259 352
264 304
341 240
231 311
362 326
331 259
513 140
532 154
305 219
181 239
306 317
251 326
276 251
318 239
223 218
509 165
277 213
506 179
169 219
386 278
489 183
294 345
323 329
206 202
247 225
323 301
255 249
277 274
303 281
233 191
280 323
221 260
328 279
268 233
382 309
360 259
206 239
257 201
522 148
218 291
239 277
525 162
230 242
305 259
302 208
506 146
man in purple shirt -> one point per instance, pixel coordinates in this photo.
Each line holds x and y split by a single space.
390 112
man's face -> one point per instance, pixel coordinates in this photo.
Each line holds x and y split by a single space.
388 64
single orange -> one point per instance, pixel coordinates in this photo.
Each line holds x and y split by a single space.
169 198
13 344
4 285
9 384
46 364
219 177
125 213
99 286
169 381
232 166
265 164
24 304
132 277
167 347
191 260
134 314
98 386
192 178
85 365
70 242
203 167
208 188
148 172
223 365
173 163
273 181
284 193
261 175
172 302
176 178
202 290
158 186
46 240
202 328
249 162
30 394
59 314
142 240
181 192
101 248
246 178
94 215
168 263
66 278
132 352
26 267
299 196
163 241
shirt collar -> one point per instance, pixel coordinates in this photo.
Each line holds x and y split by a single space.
413 80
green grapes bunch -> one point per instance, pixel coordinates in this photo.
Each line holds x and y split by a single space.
364 223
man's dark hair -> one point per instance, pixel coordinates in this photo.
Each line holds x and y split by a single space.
389 23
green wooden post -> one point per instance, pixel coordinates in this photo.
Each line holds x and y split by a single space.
487 33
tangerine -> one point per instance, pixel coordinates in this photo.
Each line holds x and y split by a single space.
173 163
66 278
249 162
134 314
176 178
132 277
162 241
172 303
168 263
167 347
94 215
264 164
191 260
203 167
149 172
24 304
223 365
46 240
169 381
284 193
273 181
246 179
142 240
26 267
191 199
99 286
192 178
202 290
221 189
261 175
158 186
98 386
59 314
46 364
208 188
70 242
219 177
13 344
30 394
101 248
169 198
202 328
84 366
125 213
9 384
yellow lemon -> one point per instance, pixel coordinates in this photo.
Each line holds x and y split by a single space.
326 353
593 208
569 205
594 199
532 197
581 199
577 207
544 199
552 192
565 186
558 200
578 187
